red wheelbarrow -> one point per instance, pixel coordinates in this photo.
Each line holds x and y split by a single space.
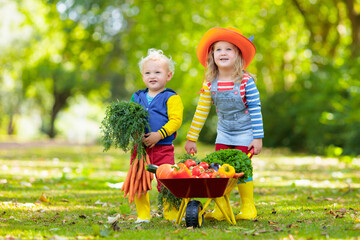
187 188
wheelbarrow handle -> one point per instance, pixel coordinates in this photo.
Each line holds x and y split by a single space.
251 153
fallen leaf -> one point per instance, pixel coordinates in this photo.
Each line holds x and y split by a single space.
357 226
177 231
3 181
111 220
98 202
272 223
260 231
43 198
204 233
25 184
190 228
134 217
291 237
342 210
277 229
293 225
9 237
82 216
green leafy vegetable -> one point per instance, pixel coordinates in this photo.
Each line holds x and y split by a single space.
184 157
236 158
124 126
166 196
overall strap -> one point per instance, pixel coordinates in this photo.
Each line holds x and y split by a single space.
237 86
214 86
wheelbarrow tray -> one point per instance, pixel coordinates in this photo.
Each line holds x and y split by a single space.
196 187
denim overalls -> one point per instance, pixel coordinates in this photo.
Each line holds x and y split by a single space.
234 124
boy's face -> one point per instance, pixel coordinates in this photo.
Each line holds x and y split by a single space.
155 76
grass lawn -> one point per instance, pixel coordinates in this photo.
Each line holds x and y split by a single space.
297 197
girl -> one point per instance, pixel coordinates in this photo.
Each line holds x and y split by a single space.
226 53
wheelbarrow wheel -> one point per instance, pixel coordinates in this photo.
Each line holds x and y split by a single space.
193 217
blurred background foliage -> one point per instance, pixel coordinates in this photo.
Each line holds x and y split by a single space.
63 61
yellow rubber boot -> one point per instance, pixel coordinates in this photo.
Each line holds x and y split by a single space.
169 214
216 213
143 208
248 209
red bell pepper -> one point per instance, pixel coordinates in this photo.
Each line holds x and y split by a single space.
181 171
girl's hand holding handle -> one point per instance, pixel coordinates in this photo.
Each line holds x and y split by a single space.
257 145
190 147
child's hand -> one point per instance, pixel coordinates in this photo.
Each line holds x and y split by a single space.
190 147
150 139
257 145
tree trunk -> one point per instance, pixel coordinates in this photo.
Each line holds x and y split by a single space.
355 21
59 104
11 127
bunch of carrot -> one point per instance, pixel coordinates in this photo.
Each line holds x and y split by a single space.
138 180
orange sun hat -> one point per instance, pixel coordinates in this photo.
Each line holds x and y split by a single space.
228 34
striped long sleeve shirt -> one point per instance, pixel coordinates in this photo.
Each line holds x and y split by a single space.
250 97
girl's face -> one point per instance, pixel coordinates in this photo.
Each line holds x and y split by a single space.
225 54
155 76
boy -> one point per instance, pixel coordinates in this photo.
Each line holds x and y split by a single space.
165 117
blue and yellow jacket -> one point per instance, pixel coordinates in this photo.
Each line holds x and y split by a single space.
165 113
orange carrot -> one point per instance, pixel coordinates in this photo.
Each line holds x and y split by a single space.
144 182
148 174
125 187
132 179
237 175
139 191
139 173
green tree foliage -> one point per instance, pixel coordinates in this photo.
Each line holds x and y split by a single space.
306 61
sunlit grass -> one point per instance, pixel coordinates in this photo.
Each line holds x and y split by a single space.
298 197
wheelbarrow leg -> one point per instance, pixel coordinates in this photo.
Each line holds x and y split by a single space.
182 209
230 208
223 211
206 205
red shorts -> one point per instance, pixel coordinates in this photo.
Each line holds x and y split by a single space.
159 154
244 149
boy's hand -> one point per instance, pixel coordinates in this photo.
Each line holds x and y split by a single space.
152 138
257 145
190 147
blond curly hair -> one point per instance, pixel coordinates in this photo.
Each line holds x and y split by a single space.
157 55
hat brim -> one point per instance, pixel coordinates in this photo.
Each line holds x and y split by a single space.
216 34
